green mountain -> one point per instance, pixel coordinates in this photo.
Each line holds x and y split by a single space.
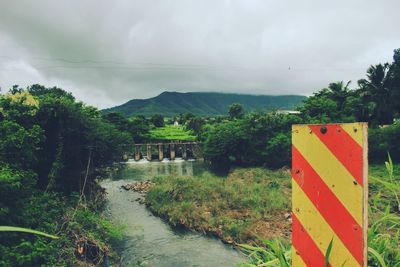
174 103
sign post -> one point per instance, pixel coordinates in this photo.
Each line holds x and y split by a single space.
330 194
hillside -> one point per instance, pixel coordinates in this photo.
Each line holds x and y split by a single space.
173 103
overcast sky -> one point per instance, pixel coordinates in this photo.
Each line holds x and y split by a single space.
108 52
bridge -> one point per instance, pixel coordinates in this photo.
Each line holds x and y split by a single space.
162 150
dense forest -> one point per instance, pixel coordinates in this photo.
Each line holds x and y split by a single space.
52 150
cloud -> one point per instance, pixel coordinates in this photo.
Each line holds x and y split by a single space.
107 52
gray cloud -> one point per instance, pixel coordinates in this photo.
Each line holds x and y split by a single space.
107 52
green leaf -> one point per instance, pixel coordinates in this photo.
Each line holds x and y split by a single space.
25 230
328 253
377 256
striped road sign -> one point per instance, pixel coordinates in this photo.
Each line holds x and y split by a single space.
329 194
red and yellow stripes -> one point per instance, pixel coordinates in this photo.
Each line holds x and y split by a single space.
329 192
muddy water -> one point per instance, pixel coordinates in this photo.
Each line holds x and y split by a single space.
149 241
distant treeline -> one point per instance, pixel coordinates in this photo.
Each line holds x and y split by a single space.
259 138
203 103
242 138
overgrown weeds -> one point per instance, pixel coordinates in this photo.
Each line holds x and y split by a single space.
75 225
251 205
246 204
383 232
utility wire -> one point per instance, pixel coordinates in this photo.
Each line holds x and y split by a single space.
144 66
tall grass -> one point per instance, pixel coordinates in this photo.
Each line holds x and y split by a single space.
273 253
383 232
237 208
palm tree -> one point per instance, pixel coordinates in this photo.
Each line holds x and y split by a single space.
339 92
376 88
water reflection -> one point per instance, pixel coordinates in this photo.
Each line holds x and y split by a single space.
149 240
145 170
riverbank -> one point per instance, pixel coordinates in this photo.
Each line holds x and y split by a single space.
85 236
253 204
245 207
149 240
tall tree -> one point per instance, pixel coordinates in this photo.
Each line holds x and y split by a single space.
236 111
339 92
377 88
157 120
394 74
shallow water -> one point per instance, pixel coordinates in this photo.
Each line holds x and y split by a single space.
149 241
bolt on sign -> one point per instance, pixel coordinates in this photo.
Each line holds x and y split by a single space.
329 194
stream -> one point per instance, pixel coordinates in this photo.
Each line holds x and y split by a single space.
148 240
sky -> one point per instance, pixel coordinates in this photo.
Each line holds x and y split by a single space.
108 52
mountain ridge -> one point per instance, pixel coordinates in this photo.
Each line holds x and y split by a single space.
203 103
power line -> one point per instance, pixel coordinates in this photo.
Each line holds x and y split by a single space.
128 64
104 64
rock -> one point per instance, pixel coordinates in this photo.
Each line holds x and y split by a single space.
140 187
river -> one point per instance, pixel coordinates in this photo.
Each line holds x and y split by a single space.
149 241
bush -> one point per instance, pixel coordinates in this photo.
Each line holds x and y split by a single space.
259 139
157 120
382 141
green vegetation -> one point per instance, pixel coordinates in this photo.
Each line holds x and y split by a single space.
248 204
25 230
157 120
259 139
264 139
384 224
236 111
138 127
203 104
250 208
52 148
384 140
271 253
376 99
384 210
171 133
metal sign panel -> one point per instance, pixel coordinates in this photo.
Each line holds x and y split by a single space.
329 194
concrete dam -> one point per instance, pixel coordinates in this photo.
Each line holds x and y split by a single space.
169 150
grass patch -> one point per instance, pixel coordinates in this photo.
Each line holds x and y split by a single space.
172 133
249 203
251 206
384 216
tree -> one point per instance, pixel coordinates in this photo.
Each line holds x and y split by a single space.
118 120
394 73
258 139
339 92
184 117
195 124
236 111
376 88
139 128
319 108
50 145
157 120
